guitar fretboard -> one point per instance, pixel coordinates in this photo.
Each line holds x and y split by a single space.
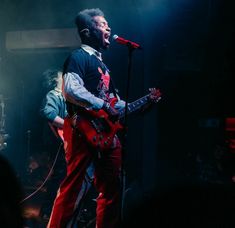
134 106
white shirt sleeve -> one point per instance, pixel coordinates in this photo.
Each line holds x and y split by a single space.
76 93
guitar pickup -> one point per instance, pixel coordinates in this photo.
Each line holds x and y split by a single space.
100 125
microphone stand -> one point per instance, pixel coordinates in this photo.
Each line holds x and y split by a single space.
124 135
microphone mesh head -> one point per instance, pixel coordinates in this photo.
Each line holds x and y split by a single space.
115 37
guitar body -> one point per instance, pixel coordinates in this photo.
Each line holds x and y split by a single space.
97 128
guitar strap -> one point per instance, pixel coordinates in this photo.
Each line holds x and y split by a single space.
113 87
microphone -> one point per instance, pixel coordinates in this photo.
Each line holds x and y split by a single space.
128 43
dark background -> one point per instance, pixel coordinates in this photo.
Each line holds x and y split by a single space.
188 52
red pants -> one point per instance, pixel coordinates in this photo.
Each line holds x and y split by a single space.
106 179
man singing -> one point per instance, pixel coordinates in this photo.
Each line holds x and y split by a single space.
87 85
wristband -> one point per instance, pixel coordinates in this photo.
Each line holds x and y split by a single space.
106 105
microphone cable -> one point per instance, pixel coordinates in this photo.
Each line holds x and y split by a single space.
47 177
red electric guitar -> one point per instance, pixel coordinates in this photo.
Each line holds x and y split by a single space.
99 130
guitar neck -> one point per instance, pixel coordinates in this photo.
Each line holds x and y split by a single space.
134 106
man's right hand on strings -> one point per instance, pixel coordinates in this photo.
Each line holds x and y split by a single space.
112 112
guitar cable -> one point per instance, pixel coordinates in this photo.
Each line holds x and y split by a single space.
47 177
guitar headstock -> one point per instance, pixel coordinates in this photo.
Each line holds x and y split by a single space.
155 95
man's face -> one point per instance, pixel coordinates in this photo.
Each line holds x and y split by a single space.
102 32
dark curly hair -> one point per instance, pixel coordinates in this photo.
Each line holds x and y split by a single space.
50 78
84 19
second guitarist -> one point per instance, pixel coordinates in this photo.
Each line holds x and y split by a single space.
53 111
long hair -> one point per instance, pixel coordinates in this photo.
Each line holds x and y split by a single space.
50 78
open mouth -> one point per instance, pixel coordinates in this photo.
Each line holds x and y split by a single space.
106 38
